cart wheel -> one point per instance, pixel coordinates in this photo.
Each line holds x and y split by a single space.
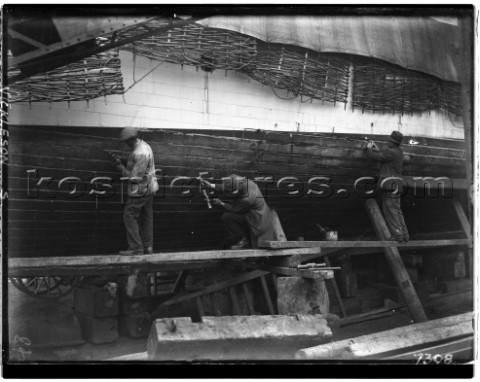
45 287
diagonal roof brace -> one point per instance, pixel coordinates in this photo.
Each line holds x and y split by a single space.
85 42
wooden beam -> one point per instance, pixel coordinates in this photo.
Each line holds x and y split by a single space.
180 281
200 308
236 306
459 350
266 294
126 269
306 273
362 244
465 222
248 298
395 261
462 217
338 297
340 349
216 287
359 250
154 259
411 336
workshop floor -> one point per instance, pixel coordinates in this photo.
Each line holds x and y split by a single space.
30 317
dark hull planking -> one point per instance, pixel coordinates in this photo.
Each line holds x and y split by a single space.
46 220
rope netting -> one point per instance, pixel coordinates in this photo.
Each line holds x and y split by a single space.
92 77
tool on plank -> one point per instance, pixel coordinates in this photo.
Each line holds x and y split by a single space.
317 266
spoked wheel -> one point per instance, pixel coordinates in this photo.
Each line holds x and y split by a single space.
45 287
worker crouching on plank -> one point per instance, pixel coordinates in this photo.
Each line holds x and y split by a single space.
246 211
138 213
391 163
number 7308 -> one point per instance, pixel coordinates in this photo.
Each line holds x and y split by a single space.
427 358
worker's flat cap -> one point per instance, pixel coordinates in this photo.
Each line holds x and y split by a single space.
127 133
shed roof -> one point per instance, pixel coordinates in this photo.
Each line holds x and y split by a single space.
417 43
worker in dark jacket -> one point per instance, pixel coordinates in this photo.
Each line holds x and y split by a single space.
391 163
138 213
246 210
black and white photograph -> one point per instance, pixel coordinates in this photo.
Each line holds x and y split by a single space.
283 185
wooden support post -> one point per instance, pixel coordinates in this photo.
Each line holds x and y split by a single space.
336 291
216 308
248 297
201 310
274 280
396 264
236 305
465 222
462 216
180 281
155 283
266 293
214 304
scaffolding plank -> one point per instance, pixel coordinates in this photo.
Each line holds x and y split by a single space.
306 273
361 244
153 259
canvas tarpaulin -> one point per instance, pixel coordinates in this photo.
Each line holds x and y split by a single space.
415 43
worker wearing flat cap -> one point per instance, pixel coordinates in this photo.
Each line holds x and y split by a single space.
391 164
246 209
138 212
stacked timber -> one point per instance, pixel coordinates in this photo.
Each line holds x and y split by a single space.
80 215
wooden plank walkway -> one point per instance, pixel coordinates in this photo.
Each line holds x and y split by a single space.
102 264
362 244
117 264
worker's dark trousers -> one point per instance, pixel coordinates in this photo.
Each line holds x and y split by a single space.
236 226
394 216
138 219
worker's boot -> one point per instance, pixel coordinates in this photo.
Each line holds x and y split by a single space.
242 244
131 252
148 251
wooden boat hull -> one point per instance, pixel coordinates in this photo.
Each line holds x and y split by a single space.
45 218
